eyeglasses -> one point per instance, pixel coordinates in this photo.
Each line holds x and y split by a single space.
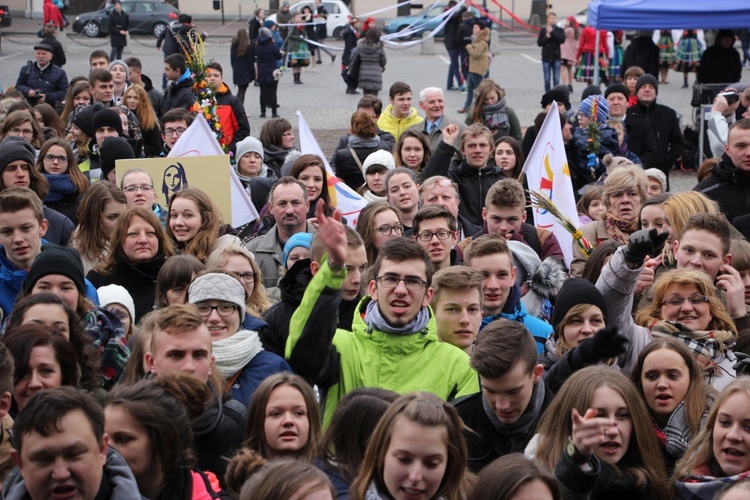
60 159
676 300
224 310
175 131
440 182
414 284
389 230
247 277
426 236
21 131
132 189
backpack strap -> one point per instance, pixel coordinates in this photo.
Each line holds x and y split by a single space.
531 238
356 159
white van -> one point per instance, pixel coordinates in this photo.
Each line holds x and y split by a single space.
338 15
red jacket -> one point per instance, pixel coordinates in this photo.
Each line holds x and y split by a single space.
587 43
52 14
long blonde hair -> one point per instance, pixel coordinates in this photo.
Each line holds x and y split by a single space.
643 459
700 452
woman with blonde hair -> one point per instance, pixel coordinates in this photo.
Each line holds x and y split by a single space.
417 424
237 259
491 111
136 99
685 306
678 208
97 215
597 437
625 190
717 456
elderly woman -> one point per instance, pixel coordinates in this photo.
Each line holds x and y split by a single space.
624 191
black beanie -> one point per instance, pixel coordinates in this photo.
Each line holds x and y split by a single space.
83 118
647 78
15 148
589 91
107 118
113 149
617 88
56 259
557 96
573 292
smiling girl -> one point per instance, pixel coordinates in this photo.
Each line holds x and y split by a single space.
311 171
194 223
597 437
720 453
417 451
283 420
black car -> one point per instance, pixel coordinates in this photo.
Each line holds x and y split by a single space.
5 18
145 17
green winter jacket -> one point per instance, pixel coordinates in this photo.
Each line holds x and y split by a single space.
343 360
397 126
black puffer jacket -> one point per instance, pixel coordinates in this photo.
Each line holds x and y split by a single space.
551 44
665 126
179 95
473 183
729 186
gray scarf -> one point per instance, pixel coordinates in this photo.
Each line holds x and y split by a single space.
495 116
356 141
375 321
522 427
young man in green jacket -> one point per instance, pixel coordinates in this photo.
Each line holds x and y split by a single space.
393 342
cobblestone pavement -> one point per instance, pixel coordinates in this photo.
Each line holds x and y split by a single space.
322 98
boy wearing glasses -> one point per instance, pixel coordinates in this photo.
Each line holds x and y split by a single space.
393 341
436 230
174 123
505 215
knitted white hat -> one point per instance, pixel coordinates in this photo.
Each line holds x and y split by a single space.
116 294
218 286
379 157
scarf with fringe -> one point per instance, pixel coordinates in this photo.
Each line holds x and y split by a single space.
620 229
707 346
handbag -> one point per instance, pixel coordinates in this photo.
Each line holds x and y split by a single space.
300 58
352 71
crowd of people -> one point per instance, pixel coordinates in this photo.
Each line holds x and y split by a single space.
435 345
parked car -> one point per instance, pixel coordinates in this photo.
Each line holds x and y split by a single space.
424 21
338 15
145 17
5 18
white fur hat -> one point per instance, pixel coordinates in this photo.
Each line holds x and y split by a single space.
116 294
218 286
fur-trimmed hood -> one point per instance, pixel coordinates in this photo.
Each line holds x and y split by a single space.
545 283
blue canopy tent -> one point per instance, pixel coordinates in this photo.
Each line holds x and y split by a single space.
668 14
664 14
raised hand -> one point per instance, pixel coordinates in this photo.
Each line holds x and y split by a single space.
331 232
450 134
731 282
589 431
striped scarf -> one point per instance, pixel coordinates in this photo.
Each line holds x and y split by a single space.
707 346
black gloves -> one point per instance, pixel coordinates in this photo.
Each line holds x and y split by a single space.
742 366
606 343
643 243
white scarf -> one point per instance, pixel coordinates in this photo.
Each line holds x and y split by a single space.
233 353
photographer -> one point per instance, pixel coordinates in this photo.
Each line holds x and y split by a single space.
722 116
42 81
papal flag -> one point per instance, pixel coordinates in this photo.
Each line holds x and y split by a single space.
199 140
347 201
547 172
